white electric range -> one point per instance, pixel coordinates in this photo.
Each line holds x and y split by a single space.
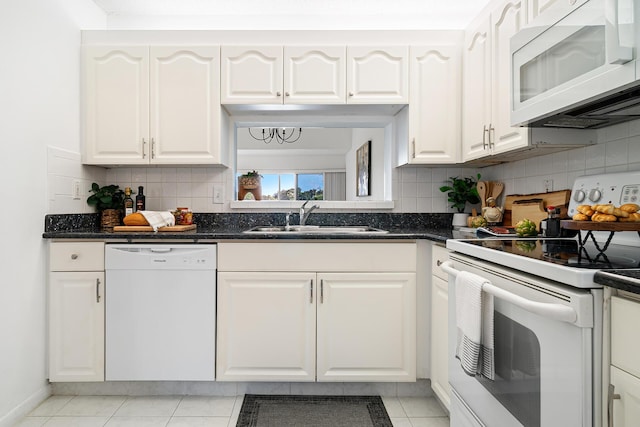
546 351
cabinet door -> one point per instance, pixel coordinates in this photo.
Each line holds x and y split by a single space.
506 20
538 7
266 327
377 75
440 340
476 75
434 106
185 105
116 105
76 326
314 75
251 75
626 408
366 327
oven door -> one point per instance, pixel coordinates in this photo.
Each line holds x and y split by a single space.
557 64
542 353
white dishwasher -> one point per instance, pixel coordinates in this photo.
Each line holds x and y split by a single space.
160 312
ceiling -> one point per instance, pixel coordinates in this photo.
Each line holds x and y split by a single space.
300 14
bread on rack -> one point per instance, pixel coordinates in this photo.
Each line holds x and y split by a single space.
610 210
585 210
633 217
603 217
630 208
581 217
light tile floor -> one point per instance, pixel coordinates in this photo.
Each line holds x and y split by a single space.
193 411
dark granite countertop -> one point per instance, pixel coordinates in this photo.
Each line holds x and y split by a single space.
435 227
626 280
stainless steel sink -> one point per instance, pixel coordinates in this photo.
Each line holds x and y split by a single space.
316 229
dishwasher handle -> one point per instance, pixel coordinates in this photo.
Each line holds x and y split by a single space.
554 311
160 250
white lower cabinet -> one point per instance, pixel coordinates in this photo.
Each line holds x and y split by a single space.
439 327
316 325
623 408
76 312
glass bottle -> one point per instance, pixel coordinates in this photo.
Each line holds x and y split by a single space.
128 201
140 202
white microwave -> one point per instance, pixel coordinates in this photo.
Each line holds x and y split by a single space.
576 66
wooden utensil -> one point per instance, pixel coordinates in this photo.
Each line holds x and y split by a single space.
482 192
497 189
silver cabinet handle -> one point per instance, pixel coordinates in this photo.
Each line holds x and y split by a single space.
311 291
153 148
286 94
610 398
74 256
321 291
350 93
98 290
278 93
413 148
484 136
144 151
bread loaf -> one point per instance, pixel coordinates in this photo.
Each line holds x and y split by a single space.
602 217
135 218
633 217
581 217
585 209
630 208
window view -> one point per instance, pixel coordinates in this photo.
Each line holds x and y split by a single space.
292 186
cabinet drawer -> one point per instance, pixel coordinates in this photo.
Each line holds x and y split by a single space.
439 254
306 256
625 345
76 256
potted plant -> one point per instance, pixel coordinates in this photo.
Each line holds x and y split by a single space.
459 192
108 201
250 183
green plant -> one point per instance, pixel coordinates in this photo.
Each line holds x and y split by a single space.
462 190
252 173
107 197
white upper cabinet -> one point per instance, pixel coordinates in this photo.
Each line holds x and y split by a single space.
314 75
185 105
486 84
377 75
538 7
158 105
435 105
116 105
251 75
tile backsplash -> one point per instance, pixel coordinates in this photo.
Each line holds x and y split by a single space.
415 188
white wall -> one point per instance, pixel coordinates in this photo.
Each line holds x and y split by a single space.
39 106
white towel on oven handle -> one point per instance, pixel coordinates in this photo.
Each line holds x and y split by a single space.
474 321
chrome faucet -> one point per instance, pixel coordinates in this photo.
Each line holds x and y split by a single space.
304 214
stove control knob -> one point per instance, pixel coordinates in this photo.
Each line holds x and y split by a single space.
579 196
594 195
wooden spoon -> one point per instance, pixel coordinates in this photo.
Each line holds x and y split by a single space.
498 187
482 192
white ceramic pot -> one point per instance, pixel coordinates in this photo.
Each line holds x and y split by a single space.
460 219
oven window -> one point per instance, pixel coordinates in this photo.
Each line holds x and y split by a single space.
517 364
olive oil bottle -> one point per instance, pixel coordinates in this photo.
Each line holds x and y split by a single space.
128 201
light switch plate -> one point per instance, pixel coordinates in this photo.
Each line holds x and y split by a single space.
218 194
75 189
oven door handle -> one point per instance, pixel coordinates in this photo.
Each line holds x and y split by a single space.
554 311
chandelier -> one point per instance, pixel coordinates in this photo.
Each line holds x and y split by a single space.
280 135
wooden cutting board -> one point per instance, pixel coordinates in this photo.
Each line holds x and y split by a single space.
516 206
148 228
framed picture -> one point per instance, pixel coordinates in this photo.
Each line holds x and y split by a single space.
363 170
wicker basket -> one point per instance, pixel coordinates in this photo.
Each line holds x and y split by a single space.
109 219
249 182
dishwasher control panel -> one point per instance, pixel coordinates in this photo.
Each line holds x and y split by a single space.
160 257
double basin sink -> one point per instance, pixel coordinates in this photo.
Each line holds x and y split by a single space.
315 229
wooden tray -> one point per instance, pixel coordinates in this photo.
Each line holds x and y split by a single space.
600 226
148 228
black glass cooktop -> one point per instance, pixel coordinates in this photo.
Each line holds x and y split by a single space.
566 252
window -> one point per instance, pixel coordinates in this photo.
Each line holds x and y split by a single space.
292 186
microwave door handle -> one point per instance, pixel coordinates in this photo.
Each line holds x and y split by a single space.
554 311
616 53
